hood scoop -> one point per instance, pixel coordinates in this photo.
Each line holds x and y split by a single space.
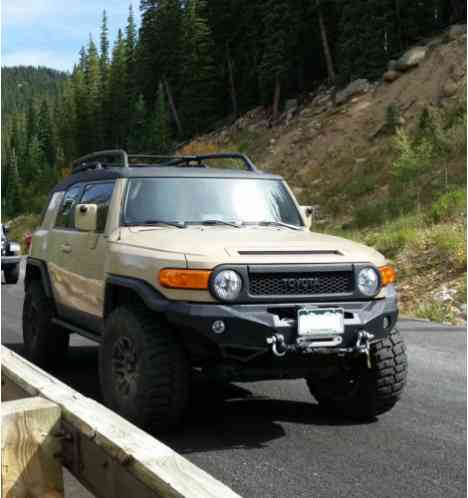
288 253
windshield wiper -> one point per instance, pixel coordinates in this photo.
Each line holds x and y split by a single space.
218 222
277 224
177 224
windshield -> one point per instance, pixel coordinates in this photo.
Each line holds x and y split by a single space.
198 200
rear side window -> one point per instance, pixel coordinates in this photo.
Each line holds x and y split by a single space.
66 215
51 208
100 194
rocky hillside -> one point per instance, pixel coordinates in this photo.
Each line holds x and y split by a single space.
380 159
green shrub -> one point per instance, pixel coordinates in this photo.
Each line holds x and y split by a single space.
448 206
449 244
415 158
370 215
392 117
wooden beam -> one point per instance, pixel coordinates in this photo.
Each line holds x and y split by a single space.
30 467
106 453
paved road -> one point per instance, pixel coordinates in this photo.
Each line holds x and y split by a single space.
270 439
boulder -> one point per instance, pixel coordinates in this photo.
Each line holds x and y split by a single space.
392 65
449 89
290 105
412 58
456 31
444 295
357 87
391 76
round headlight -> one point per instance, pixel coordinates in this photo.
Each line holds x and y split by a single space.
227 285
368 282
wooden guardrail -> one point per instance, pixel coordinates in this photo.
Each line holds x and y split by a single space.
110 456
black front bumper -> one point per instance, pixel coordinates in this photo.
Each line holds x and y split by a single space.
249 327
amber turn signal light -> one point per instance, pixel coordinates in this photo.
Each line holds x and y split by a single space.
387 275
184 279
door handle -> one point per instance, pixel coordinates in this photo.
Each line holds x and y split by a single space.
66 248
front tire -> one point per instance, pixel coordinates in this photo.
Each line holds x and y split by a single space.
11 274
144 371
45 343
367 393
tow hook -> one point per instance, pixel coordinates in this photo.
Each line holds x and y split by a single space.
278 345
363 345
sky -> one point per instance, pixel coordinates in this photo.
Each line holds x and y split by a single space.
51 32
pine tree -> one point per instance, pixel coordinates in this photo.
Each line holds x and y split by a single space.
93 88
12 193
31 121
137 133
274 66
199 72
367 38
45 134
159 133
118 111
81 103
104 48
160 52
130 47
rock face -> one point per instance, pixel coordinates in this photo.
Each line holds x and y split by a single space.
412 58
391 76
357 87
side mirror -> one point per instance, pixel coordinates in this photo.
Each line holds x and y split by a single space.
86 217
308 215
6 229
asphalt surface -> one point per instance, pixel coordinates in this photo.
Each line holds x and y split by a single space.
271 440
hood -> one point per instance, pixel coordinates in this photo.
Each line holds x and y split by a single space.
211 246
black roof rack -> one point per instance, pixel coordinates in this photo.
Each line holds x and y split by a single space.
121 159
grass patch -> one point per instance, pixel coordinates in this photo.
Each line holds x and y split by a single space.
435 312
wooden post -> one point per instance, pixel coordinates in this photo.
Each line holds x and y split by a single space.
31 466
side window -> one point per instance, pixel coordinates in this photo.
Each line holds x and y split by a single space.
100 194
65 217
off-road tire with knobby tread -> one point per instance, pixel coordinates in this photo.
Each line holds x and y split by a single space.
11 274
45 343
377 389
162 372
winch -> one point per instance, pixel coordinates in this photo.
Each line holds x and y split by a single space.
308 345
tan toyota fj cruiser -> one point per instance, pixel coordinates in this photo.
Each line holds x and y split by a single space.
173 266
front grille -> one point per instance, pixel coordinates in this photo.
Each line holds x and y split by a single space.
301 284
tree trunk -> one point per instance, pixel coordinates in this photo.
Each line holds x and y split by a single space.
276 99
326 46
232 85
174 113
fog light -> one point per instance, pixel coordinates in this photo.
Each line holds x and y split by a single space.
386 322
218 327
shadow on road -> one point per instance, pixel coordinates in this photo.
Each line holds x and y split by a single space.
220 416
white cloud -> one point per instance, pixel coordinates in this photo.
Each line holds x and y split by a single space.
37 58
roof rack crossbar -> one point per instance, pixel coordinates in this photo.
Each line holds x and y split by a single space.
98 160
120 159
176 160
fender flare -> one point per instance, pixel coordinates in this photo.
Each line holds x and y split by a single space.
45 278
153 299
